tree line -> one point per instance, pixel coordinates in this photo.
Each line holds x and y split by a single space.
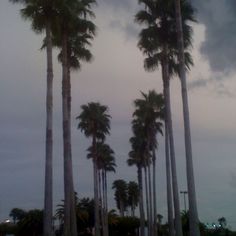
30 222
165 41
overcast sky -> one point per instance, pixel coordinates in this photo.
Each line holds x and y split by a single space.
115 78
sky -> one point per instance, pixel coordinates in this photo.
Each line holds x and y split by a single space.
115 78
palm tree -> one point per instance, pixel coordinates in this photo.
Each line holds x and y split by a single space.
140 150
121 197
106 163
157 41
42 15
193 214
145 125
132 196
149 111
136 158
94 122
73 36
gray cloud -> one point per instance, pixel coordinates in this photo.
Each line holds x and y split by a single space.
199 83
121 4
129 28
232 181
219 18
223 91
216 81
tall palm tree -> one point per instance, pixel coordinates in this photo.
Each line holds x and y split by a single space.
132 196
135 158
106 163
146 124
42 15
73 36
149 111
94 122
157 41
193 214
121 197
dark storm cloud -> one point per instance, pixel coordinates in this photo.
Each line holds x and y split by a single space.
219 18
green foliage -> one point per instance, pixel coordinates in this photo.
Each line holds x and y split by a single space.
125 226
75 24
145 125
17 214
31 224
121 196
105 156
7 228
39 13
157 40
133 195
84 214
94 120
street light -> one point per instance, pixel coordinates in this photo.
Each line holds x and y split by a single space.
184 193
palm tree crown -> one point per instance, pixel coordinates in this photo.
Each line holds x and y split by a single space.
94 120
159 36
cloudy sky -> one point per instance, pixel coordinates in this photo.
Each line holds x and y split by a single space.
115 78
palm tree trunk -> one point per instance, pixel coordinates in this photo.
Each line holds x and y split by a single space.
72 202
67 183
141 208
150 199
155 232
106 206
193 214
147 200
101 202
95 181
48 192
70 217
132 207
104 203
166 82
168 184
122 208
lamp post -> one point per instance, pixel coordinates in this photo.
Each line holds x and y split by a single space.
184 193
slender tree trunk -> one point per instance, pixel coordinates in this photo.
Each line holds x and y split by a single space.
48 192
101 202
104 203
132 207
70 228
168 184
155 232
67 182
150 199
95 179
72 202
122 207
141 208
165 71
193 214
147 200
106 206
